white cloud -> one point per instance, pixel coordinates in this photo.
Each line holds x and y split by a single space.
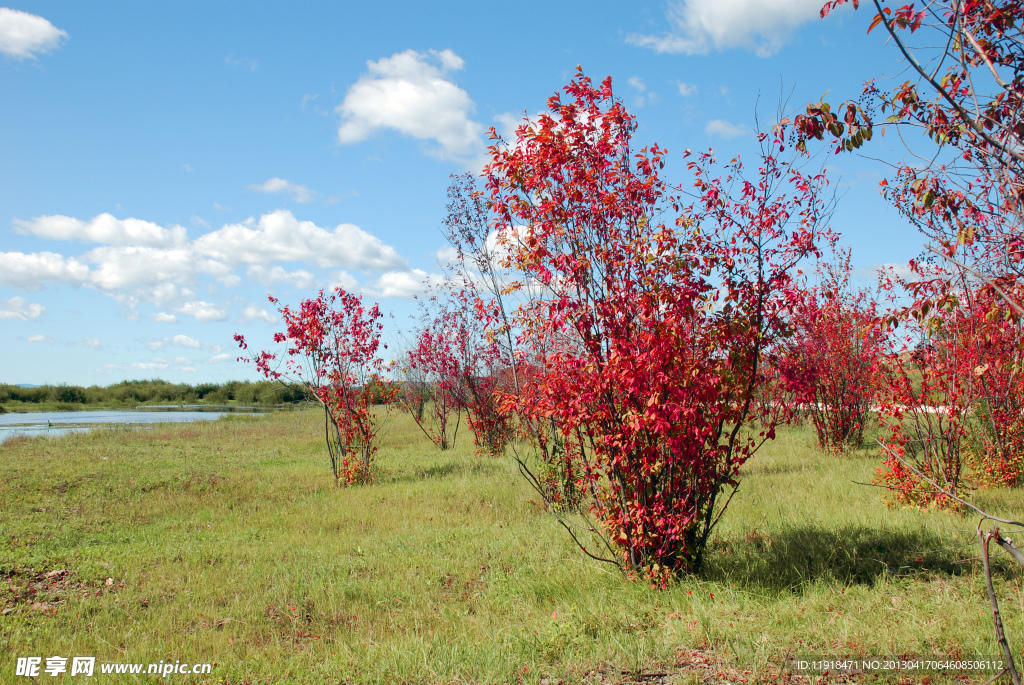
402 284
279 236
346 282
118 268
87 342
643 96
218 358
180 363
32 271
175 341
299 193
139 262
131 275
686 89
104 229
447 255
154 364
723 129
507 125
409 92
24 35
699 26
255 313
299 279
221 208
40 339
202 311
137 366
180 340
15 309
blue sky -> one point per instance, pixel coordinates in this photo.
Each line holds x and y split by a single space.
165 167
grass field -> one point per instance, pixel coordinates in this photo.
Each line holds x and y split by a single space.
224 542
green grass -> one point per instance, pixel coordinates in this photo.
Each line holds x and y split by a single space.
225 542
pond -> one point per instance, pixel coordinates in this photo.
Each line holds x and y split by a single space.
55 423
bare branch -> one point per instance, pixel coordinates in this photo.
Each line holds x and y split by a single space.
984 539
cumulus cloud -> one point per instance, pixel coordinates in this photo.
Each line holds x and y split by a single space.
346 282
279 236
699 26
299 279
24 35
138 262
175 341
39 338
403 284
723 129
255 313
202 311
32 271
117 268
410 92
15 309
299 193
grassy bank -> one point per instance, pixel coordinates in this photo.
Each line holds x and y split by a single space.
224 542
48 406
130 394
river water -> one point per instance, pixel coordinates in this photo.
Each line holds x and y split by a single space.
64 422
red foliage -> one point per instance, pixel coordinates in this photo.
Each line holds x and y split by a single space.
966 96
434 384
331 348
954 406
648 339
460 362
953 409
832 363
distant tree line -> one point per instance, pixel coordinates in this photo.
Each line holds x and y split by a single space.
156 391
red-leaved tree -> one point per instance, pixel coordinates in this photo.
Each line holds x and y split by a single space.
459 363
331 347
965 91
966 87
432 388
953 404
645 340
485 378
833 362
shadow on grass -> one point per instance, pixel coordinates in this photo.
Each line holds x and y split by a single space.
448 469
792 558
